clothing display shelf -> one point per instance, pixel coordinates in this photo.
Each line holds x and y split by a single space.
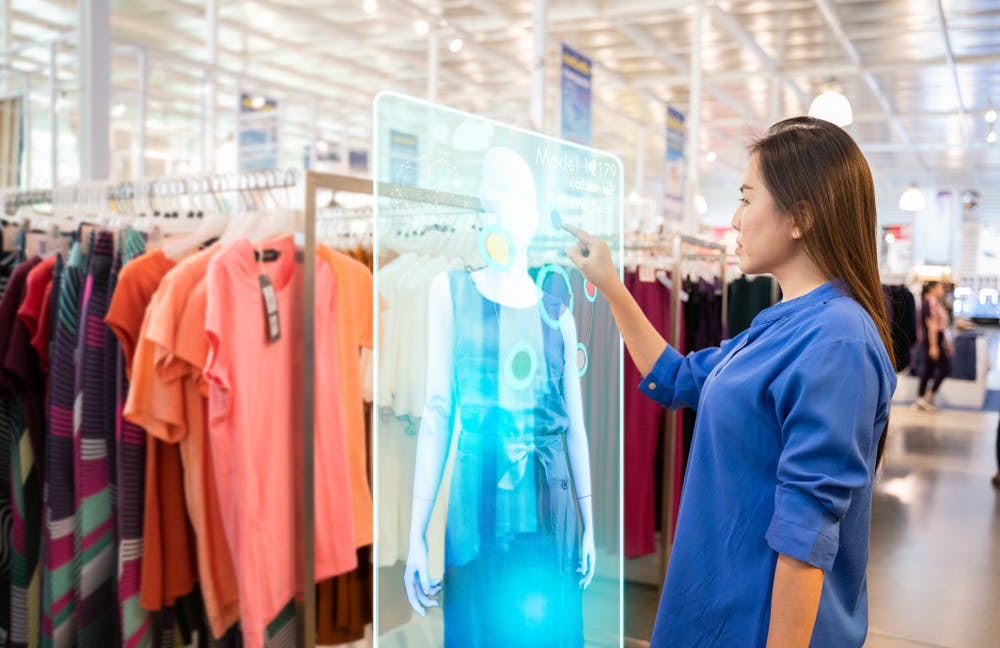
676 250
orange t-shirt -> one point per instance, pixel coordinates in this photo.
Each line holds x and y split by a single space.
353 315
181 409
253 417
169 565
137 282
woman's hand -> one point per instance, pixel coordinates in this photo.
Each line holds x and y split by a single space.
588 557
593 257
419 588
934 352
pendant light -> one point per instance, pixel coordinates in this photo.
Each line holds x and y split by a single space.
912 199
832 106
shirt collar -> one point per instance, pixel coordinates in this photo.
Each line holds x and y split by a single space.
830 290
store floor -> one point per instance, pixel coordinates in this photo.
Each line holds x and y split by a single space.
934 572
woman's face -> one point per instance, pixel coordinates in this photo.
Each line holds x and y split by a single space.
767 237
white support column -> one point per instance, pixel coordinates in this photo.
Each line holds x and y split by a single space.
143 102
209 92
640 161
692 152
94 51
540 15
54 115
6 18
433 50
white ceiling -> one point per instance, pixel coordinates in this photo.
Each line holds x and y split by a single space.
918 102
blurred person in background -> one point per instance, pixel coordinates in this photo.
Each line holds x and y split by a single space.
936 346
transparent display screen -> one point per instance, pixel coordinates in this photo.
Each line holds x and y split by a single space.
498 386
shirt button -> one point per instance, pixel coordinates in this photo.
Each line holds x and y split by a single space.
652 385
565 484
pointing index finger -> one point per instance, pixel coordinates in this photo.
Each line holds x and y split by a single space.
577 232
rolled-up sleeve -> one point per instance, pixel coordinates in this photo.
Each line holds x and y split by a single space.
827 406
676 380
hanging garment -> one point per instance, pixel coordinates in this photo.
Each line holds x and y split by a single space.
602 405
95 524
169 565
175 413
8 260
136 282
511 549
59 626
252 438
747 297
643 425
17 377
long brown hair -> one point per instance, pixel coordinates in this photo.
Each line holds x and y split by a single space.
816 173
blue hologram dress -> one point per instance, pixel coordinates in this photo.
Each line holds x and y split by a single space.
511 542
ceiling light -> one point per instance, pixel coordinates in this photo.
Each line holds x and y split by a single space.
991 137
370 6
118 110
456 46
832 106
421 26
322 146
890 238
258 102
912 199
711 156
700 204
991 115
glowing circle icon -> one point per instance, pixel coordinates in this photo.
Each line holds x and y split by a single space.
521 366
543 274
582 358
496 246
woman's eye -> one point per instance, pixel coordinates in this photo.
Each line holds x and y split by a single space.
743 201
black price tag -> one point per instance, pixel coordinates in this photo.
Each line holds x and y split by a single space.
270 308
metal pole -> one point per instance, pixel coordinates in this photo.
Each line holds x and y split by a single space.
94 54
307 620
143 101
540 15
693 129
53 116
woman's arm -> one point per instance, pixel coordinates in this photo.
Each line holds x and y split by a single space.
433 441
794 603
643 341
932 331
578 450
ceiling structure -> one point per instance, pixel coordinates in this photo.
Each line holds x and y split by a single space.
920 74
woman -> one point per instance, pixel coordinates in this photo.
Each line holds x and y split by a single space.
936 347
772 539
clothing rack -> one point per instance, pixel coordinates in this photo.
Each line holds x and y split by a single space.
106 192
680 248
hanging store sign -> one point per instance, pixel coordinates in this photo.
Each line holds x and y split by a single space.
576 93
259 127
403 163
674 181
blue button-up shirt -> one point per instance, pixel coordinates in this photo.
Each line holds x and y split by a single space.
790 413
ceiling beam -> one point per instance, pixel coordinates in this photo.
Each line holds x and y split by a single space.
740 33
826 10
949 54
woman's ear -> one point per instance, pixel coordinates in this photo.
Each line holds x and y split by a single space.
802 217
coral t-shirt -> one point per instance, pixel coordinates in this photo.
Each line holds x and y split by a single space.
354 326
254 414
183 410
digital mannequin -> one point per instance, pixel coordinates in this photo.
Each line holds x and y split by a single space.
502 362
